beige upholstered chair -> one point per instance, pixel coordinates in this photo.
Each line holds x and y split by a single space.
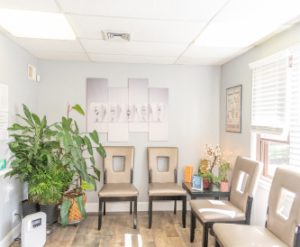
283 218
118 184
238 209
163 184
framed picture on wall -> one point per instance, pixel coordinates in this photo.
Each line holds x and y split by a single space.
234 109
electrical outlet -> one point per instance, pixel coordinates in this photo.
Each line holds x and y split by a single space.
14 216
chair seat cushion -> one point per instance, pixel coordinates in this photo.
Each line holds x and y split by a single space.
234 235
118 190
166 189
216 211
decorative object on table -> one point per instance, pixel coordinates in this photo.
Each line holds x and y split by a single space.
204 166
213 154
234 109
197 182
224 169
188 173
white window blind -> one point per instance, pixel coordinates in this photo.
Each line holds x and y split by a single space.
270 89
295 108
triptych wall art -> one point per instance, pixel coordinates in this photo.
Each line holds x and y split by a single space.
118 111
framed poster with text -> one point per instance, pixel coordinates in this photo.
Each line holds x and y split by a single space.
234 109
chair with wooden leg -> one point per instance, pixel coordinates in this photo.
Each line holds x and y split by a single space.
163 184
238 209
118 183
282 227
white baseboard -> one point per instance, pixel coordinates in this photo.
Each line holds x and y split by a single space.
10 237
92 207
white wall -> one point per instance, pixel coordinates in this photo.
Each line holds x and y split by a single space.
13 72
236 72
193 106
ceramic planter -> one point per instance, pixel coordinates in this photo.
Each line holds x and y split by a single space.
224 186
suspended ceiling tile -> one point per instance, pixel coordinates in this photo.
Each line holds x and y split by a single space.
112 58
132 48
244 23
150 9
90 27
63 56
204 51
45 45
34 5
199 61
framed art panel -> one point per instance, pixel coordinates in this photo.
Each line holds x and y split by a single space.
234 109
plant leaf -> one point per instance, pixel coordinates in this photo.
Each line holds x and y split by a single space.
94 136
88 143
78 109
36 119
97 172
27 114
79 201
101 151
64 211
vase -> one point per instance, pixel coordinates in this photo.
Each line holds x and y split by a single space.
224 187
206 183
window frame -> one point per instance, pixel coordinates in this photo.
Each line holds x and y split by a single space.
262 148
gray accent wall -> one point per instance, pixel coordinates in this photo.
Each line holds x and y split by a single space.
235 72
193 106
13 72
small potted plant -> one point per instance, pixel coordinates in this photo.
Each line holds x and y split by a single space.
223 175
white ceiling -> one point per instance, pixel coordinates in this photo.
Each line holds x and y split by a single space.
205 32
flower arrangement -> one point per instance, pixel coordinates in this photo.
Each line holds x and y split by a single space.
213 155
213 159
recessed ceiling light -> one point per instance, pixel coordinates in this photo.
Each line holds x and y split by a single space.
33 24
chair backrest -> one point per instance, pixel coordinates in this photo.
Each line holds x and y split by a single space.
244 180
284 205
154 154
119 176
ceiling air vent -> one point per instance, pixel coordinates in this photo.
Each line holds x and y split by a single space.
114 36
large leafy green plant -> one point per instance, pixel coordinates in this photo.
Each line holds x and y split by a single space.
32 145
77 150
36 159
48 156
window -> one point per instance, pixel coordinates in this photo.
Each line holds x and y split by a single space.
275 118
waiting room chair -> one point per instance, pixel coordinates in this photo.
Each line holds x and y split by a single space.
163 184
245 175
118 184
283 218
